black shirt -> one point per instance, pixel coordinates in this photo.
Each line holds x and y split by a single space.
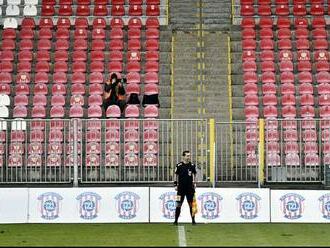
185 173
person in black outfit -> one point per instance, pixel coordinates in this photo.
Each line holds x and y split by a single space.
185 184
114 93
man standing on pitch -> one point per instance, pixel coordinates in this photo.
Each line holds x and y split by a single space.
185 184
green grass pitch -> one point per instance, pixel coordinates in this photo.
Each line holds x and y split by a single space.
164 235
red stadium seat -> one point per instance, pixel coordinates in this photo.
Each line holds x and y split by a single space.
83 10
81 22
135 10
117 22
117 10
283 22
305 88
247 10
287 88
132 111
282 10
101 10
248 22
63 22
99 22
78 78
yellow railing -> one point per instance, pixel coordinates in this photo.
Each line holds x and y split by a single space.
261 149
212 150
230 104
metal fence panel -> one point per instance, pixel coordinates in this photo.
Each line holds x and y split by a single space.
296 150
233 164
143 156
36 151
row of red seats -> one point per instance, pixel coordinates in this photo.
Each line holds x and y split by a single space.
57 144
103 2
81 44
286 100
59 91
252 112
284 10
77 111
286 66
285 33
100 10
96 66
282 55
285 44
82 22
79 33
78 55
76 78
277 2
287 77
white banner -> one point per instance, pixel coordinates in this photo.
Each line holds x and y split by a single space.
13 205
86 205
214 205
300 206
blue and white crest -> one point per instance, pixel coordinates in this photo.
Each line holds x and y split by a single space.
210 205
168 204
89 205
50 205
248 205
127 204
325 206
292 206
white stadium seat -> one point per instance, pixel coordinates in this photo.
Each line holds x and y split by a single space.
10 23
4 100
12 10
30 10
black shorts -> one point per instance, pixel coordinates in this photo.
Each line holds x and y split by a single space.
181 195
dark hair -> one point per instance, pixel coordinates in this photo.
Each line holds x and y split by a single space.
113 75
185 152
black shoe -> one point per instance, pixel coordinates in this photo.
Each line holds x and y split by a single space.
175 223
193 223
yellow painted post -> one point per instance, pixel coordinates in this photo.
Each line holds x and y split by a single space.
230 106
212 151
261 173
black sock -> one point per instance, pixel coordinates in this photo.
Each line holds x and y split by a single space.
177 213
192 217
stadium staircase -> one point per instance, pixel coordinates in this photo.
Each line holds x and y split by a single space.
200 86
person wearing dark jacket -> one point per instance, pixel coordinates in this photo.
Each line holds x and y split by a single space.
114 93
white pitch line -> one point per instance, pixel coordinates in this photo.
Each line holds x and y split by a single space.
182 236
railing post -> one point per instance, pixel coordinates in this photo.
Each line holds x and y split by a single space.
261 151
75 153
212 151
